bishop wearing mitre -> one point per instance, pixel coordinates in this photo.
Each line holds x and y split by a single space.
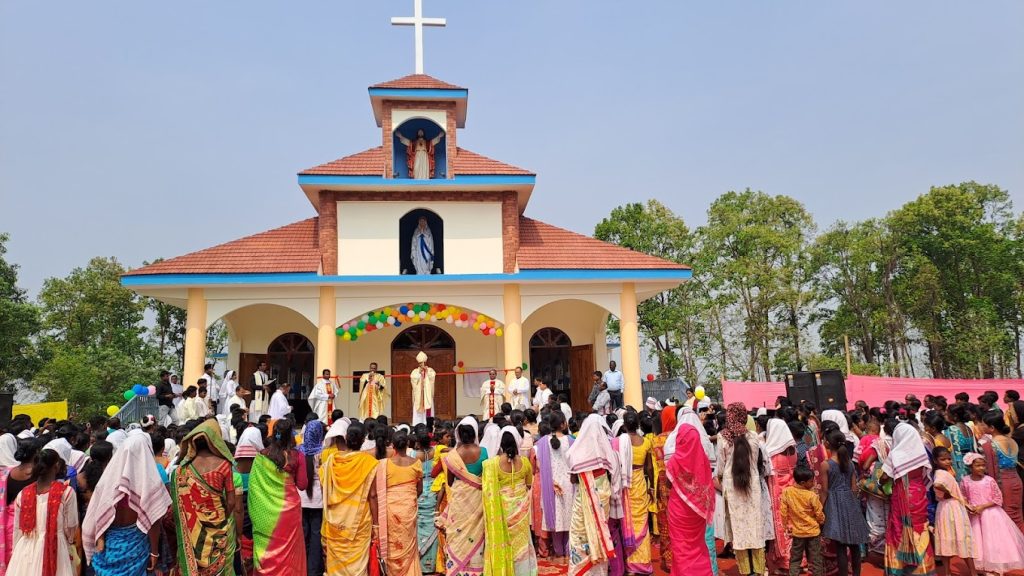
372 389
422 379
492 395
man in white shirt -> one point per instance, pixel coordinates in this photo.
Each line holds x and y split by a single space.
519 391
492 395
202 402
543 395
613 378
279 406
210 380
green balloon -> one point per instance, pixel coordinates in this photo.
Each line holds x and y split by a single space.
353 331
361 325
128 394
525 365
339 331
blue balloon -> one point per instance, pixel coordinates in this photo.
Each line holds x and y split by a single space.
404 309
397 324
140 390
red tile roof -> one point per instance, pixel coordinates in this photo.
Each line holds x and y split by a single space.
543 246
418 81
371 163
291 248
366 163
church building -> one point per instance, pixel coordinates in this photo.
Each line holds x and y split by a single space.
417 244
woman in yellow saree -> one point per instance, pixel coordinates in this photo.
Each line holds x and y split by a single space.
350 504
399 483
463 519
507 479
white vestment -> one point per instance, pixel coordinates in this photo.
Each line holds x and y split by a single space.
490 402
318 399
279 406
258 405
541 398
422 380
422 250
519 393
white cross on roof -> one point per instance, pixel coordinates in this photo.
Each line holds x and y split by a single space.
417 21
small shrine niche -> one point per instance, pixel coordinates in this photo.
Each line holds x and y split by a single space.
421 243
419 150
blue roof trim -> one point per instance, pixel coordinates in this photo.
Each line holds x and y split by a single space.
436 93
316 279
404 183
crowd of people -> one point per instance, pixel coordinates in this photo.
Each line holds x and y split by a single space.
912 484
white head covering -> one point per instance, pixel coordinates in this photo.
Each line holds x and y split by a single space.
468 421
779 438
686 415
117 438
591 450
250 444
338 429
762 411
230 375
653 403
170 451
131 475
62 447
907 454
840 419
510 430
617 427
8 448
421 357
492 439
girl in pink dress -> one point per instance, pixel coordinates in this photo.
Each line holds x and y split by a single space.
998 544
953 534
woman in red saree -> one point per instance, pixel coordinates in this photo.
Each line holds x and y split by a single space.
691 504
907 539
781 450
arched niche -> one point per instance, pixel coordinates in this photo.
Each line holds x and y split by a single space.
407 226
409 130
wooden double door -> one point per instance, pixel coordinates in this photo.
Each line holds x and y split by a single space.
439 347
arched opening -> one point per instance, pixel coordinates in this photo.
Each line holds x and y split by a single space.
439 347
550 359
434 138
290 359
421 248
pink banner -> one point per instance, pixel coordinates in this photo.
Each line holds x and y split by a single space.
874 390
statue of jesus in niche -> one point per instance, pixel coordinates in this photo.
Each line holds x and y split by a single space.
419 154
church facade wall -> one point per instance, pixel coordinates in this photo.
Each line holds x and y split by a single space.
368 236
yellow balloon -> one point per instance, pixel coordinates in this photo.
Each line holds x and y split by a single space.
699 392
112 410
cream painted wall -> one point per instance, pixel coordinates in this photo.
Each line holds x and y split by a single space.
399 116
579 320
254 327
368 241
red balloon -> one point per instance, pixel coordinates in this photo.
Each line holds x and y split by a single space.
440 306
461 363
464 317
650 377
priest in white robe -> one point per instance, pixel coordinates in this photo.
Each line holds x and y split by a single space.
258 401
321 396
422 249
422 380
519 391
492 395
279 406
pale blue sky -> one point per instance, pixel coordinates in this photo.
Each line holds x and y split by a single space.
146 129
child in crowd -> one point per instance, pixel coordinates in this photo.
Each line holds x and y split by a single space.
953 535
803 516
844 522
998 544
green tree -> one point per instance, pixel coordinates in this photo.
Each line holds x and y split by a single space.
93 338
665 321
755 247
19 323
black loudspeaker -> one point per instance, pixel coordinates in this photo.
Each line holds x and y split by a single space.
826 389
6 406
831 389
800 388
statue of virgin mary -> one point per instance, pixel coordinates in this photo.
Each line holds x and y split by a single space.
422 249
